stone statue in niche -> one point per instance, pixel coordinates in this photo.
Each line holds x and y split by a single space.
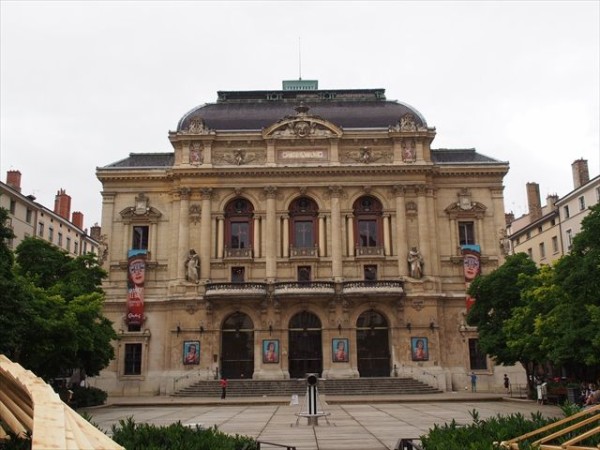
192 264
409 153
196 153
415 263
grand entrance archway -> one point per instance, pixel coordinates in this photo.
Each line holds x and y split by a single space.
373 347
305 354
237 347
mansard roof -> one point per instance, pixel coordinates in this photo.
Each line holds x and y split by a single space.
145 160
459 156
255 110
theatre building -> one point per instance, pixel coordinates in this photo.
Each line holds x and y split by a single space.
298 231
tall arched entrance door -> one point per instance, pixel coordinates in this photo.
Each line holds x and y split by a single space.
237 347
305 354
373 347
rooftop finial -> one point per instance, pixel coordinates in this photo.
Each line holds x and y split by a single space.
299 59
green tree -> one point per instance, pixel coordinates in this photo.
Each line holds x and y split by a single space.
496 296
51 312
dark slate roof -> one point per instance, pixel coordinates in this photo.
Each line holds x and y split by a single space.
459 156
145 160
255 110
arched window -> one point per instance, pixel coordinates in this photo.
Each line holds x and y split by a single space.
238 227
303 225
368 226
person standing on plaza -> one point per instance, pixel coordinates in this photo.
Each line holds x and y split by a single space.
473 382
223 384
506 384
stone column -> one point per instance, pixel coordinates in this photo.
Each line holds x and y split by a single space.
433 258
386 235
350 226
153 240
214 226
256 240
334 149
453 237
479 233
184 228
207 156
286 236
271 234
220 236
173 236
401 241
423 220
205 223
108 219
336 235
270 153
322 251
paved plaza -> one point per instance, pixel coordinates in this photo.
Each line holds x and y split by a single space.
368 423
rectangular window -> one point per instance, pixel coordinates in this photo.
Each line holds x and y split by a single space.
566 211
68 244
240 235
367 233
528 235
238 274
477 359
13 206
553 222
540 230
133 359
60 239
28 215
303 233
542 250
41 229
304 273
569 239
554 244
530 253
466 233
76 247
140 237
50 234
581 203
84 247
370 272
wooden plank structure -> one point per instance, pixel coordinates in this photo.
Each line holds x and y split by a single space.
28 404
578 424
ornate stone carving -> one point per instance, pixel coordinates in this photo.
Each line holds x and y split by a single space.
411 208
415 263
302 126
196 153
409 152
192 267
195 211
197 126
270 191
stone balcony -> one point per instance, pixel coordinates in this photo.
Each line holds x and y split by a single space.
236 289
381 287
304 288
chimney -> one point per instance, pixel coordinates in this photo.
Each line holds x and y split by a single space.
551 200
95 232
534 202
581 174
13 179
62 204
509 218
77 219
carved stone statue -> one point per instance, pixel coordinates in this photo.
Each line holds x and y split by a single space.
192 264
415 263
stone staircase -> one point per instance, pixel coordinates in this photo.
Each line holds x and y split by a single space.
283 388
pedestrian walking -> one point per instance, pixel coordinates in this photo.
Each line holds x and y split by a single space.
223 383
473 382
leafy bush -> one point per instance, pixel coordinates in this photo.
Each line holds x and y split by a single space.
88 396
481 434
134 436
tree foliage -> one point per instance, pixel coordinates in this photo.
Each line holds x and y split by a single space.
550 315
51 311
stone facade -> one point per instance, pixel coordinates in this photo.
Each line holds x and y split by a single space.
283 222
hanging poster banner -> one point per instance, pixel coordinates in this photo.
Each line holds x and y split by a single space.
136 275
472 268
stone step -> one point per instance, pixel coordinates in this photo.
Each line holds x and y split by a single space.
355 386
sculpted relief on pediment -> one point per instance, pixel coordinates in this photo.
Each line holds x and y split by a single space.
302 126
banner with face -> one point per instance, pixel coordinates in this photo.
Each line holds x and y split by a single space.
136 274
472 268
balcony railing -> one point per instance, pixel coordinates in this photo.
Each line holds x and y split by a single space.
381 286
224 289
238 253
369 251
304 287
304 252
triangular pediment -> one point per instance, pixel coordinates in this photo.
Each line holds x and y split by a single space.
302 126
470 209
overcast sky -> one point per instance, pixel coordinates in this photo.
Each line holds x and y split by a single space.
83 84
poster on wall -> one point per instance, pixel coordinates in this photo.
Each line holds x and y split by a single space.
191 352
136 275
472 268
419 348
339 350
270 351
